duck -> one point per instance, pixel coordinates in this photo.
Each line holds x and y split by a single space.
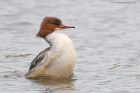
58 60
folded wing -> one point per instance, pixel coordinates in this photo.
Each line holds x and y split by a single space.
38 58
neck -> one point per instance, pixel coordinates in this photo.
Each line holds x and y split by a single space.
50 43
43 33
57 40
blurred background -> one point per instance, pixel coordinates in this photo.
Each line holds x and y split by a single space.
107 40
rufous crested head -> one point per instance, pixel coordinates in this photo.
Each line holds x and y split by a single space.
49 25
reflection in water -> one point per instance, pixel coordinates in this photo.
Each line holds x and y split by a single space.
66 86
43 85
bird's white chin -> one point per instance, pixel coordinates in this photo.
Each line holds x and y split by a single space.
58 28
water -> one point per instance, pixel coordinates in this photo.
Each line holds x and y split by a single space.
106 39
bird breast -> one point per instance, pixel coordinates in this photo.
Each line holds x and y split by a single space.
64 50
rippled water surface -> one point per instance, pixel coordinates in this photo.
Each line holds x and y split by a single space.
107 40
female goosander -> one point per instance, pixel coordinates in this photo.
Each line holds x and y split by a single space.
56 61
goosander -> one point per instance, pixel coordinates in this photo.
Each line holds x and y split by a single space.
58 60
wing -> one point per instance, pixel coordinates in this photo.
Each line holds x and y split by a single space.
38 58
